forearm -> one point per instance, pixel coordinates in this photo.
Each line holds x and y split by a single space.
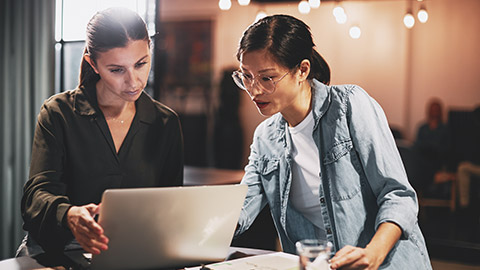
43 207
387 235
255 199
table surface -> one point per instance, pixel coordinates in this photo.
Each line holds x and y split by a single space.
27 263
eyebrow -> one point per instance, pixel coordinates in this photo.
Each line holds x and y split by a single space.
139 60
260 71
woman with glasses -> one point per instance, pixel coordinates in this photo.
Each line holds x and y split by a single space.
325 160
107 133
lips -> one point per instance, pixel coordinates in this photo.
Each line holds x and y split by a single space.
133 93
261 104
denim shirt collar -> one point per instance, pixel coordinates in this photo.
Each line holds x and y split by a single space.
320 100
320 103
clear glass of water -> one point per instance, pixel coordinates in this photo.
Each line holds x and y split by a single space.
314 254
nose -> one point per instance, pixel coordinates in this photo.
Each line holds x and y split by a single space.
255 89
132 79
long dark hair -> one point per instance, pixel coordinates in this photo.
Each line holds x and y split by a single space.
108 29
288 40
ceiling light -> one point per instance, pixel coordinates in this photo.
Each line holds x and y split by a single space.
355 32
304 7
260 15
243 2
314 3
409 20
340 15
338 10
422 14
224 4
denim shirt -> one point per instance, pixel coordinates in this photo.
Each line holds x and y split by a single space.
363 181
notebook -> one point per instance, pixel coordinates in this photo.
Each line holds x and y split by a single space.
168 227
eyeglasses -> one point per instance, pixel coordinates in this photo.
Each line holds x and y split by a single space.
247 82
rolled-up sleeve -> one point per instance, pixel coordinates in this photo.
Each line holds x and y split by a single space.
255 199
381 161
44 202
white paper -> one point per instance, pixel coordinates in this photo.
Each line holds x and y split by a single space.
270 261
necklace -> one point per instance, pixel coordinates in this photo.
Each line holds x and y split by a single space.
115 120
126 115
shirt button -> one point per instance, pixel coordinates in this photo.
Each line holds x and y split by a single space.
322 200
329 231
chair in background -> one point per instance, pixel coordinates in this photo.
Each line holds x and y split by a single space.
441 178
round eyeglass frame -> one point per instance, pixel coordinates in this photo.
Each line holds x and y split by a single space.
239 81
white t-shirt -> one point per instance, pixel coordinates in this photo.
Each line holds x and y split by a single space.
305 188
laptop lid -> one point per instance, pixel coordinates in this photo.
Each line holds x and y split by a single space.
165 227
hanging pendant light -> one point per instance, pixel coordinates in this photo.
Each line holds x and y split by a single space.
224 4
304 7
355 32
314 3
243 2
422 14
408 19
339 14
260 15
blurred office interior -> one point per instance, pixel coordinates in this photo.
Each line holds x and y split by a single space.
194 46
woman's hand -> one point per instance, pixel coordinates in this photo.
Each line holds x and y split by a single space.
372 256
85 229
355 258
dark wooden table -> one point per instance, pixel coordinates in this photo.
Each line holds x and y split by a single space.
66 261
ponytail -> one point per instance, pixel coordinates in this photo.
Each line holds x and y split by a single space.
87 74
108 29
319 68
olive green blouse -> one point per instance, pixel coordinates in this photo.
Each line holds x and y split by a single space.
74 159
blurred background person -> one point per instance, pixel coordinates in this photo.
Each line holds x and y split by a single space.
430 149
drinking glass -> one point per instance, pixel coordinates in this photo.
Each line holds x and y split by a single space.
314 254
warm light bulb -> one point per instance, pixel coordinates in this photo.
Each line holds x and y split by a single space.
409 20
341 19
243 2
355 32
260 15
422 15
340 15
224 4
304 7
314 3
338 11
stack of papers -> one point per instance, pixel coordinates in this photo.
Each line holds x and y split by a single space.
270 261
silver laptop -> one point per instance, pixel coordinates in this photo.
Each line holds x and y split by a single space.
168 227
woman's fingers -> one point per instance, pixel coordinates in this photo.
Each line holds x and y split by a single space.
89 222
92 208
93 230
86 230
91 242
345 250
351 258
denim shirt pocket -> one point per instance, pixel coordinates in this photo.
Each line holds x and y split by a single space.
342 168
337 151
266 166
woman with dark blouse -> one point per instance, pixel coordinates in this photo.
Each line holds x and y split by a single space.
107 133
